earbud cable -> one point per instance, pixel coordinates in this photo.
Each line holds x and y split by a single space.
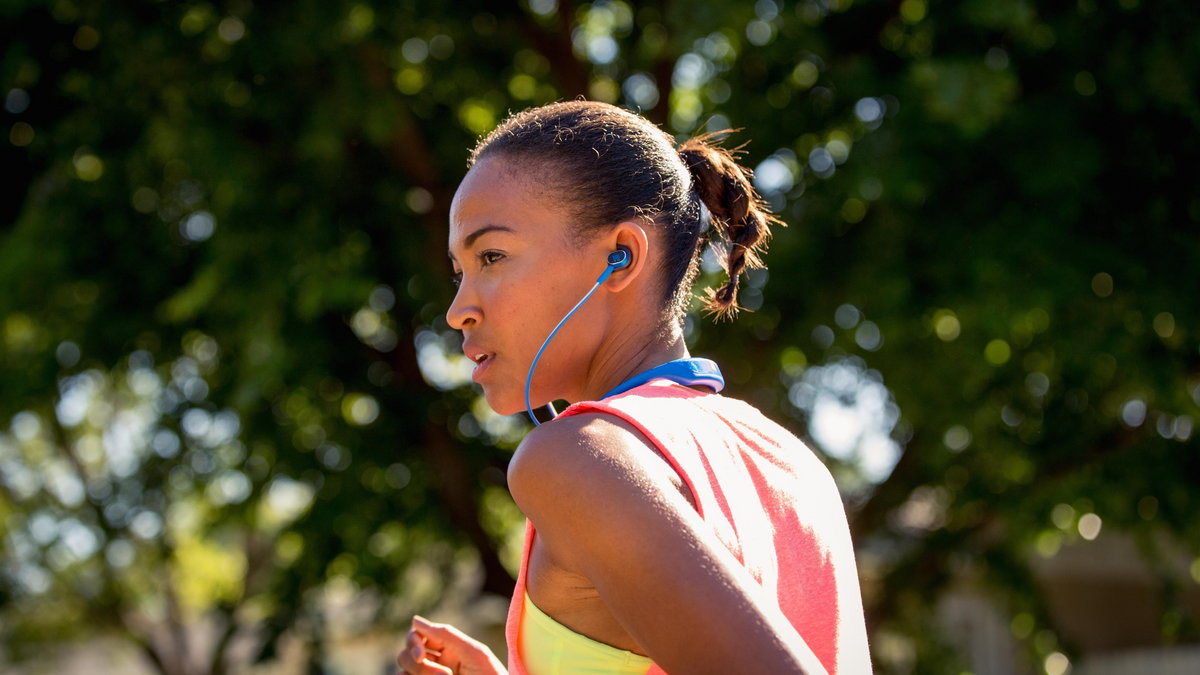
529 380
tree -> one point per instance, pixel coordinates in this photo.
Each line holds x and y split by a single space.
228 378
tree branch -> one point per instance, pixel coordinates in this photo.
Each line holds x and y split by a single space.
556 47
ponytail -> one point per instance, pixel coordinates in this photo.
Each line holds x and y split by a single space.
739 215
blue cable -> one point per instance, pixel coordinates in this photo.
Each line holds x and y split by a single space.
529 380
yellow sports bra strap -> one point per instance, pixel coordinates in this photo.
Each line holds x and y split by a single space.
550 648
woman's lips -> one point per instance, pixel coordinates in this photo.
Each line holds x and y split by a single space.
481 357
481 365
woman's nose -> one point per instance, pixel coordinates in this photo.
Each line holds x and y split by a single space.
464 311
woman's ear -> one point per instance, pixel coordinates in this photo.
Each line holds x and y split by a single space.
632 237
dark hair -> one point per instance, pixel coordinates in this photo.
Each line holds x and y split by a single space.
613 165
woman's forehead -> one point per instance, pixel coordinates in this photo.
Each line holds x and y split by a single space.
496 194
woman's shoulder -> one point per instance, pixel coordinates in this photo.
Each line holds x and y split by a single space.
555 451
590 455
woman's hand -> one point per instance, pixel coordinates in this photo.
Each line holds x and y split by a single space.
443 649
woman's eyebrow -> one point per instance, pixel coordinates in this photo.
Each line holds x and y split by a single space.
470 238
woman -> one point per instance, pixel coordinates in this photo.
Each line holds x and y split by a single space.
669 528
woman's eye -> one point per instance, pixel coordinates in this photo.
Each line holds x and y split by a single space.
456 279
489 257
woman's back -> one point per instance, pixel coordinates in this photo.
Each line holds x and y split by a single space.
769 501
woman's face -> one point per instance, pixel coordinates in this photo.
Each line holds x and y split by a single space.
519 273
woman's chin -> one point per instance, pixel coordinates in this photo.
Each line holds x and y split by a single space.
502 403
505 400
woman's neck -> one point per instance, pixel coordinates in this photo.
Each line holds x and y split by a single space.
626 355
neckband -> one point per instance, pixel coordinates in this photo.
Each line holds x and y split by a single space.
689 371
692 371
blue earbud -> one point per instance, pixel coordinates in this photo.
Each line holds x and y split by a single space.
618 259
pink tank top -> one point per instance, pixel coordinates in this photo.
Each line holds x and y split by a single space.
767 498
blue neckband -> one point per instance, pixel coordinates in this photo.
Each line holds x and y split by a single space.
689 372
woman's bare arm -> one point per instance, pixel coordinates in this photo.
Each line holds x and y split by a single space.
604 505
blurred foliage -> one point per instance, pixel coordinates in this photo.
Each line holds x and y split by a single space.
227 385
